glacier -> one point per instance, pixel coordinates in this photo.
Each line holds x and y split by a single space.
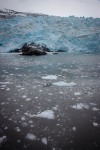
72 34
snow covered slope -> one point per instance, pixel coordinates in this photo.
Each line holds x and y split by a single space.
73 34
8 13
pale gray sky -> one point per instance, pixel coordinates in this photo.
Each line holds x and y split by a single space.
87 8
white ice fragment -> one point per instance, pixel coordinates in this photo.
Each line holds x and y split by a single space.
36 97
48 114
95 109
18 141
17 110
31 136
23 118
6 128
74 128
44 141
28 99
17 129
24 124
40 90
50 94
64 69
51 77
95 124
24 96
62 83
2 139
93 104
77 93
80 106
8 89
5 82
22 88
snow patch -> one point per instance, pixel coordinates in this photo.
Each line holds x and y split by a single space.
31 136
62 83
51 77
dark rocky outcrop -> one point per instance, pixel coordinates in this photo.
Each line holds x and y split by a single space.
17 50
31 49
34 49
60 50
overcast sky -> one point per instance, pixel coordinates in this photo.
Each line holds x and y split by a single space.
87 8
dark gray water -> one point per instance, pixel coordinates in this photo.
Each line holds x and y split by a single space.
49 102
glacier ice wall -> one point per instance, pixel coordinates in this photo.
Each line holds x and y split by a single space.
72 34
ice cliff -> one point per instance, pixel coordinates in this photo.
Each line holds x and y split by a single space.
73 34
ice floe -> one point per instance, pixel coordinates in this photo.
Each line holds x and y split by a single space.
2 139
24 96
23 118
48 114
62 83
95 109
51 77
17 129
80 106
5 82
31 136
28 99
74 128
44 141
77 93
95 124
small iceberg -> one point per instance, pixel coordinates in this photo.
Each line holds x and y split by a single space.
80 106
62 83
31 136
51 77
48 114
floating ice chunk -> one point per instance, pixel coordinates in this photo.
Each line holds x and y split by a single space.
5 82
31 136
95 124
24 96
93 104
64 69
23 118
8 89
28 99
77 93
24 124
6 128
48 114
95 109
62 83
44 141
51 77
80 106
17 110
17 129
74 128
2 139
